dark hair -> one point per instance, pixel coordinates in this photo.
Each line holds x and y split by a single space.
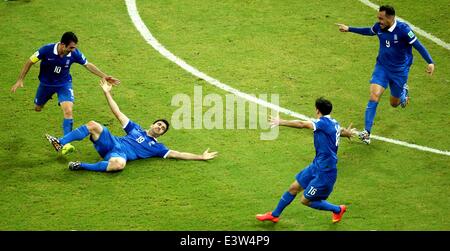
388 9
69 37
165 122
324 106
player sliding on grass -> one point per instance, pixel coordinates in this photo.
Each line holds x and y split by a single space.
317 180
116 151
393 62
54 77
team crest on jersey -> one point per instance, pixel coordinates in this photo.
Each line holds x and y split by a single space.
411 34
388 44
67 63
395 39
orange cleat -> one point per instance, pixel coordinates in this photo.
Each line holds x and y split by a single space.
338 217
267 216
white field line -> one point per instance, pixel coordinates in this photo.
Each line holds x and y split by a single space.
151 40
413 27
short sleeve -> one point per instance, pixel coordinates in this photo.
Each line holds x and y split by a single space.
80 58
163 151
38 55
131 126
318 125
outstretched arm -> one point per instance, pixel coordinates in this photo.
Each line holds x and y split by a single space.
23 73
348 132
290 123
367 31
92 68
190 156
112 104
426 56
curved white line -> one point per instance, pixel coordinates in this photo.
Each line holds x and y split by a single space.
147 35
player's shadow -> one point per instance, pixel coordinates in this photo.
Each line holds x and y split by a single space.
18 1
61 159
268 226
19 154
334 227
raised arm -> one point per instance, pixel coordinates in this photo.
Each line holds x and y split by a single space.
92 68
190 156
23 73
291 123
112 104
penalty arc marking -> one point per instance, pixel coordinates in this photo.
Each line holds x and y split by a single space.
151 40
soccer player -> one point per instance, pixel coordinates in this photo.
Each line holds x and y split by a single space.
54 76
316 180
393 62
116 151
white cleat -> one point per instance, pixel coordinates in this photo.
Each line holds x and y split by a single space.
364 136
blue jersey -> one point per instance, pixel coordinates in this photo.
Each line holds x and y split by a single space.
55 70
326 140
138 145
395 52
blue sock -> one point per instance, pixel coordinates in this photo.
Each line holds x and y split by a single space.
285 200
77 134
97 167
67 125
325 205
371 110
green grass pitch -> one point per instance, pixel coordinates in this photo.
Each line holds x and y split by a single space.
291 48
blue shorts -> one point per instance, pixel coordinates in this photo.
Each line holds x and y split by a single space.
395 80
45 93
318 184
108 146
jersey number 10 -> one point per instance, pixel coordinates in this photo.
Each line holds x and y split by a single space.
57 69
